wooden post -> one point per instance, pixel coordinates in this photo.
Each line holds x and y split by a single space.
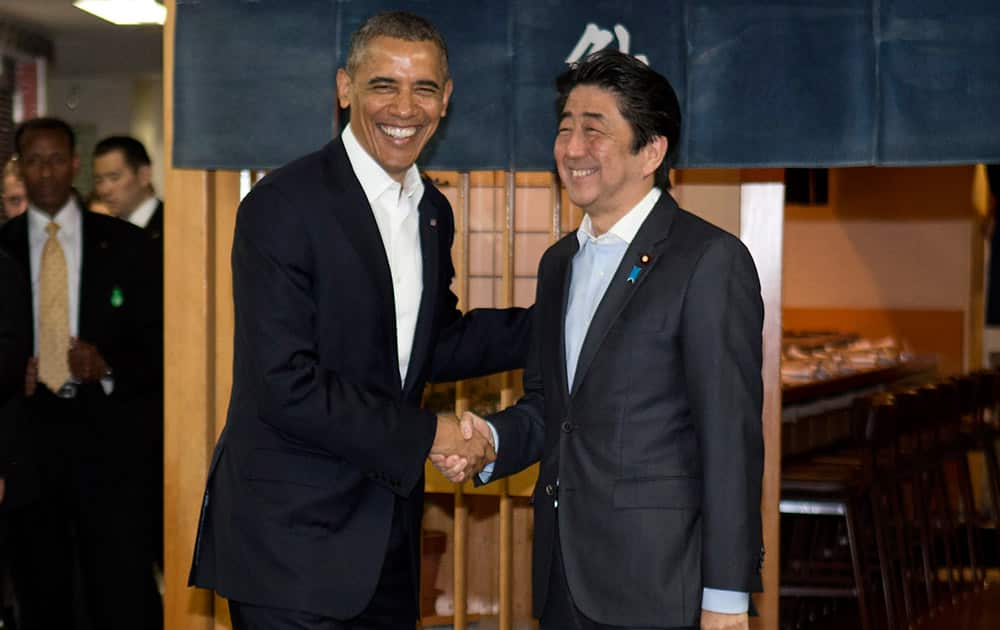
762 200
507 399
975 352
461 513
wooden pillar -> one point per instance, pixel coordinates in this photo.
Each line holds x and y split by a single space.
977 356
762 201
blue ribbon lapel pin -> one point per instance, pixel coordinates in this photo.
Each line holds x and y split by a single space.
637 269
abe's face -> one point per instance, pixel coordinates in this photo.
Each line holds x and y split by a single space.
593 153
48 165
397 96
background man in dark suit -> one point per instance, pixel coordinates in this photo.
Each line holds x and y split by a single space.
123 175
123 179
643 387
341 274
97 361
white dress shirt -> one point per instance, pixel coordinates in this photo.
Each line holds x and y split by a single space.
593 265
140 216
70 237
395 210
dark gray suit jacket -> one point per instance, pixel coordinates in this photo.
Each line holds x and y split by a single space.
658 450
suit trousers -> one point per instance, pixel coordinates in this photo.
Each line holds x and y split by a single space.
78 556
560 612
392 606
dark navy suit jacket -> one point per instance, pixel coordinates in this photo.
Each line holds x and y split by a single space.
321 436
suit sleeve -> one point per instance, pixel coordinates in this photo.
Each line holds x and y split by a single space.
483 341
276 333
721 344
521 428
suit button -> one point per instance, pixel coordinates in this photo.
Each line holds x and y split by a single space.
549 490
567 426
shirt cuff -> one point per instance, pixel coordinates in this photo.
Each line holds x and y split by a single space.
726 602
487 471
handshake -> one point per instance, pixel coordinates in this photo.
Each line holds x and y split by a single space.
462 447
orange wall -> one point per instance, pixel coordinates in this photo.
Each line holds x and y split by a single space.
890 255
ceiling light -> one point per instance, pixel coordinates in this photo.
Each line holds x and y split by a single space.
124 12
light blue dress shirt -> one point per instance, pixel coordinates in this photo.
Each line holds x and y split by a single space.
594 266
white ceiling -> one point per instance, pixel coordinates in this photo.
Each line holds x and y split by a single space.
86 45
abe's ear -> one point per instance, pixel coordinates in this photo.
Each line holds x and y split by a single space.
654 153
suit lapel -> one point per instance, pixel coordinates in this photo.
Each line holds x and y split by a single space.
358 222
429 234
562 269
650 242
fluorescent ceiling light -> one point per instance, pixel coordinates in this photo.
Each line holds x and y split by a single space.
124 12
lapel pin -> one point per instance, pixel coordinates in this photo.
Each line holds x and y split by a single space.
637 269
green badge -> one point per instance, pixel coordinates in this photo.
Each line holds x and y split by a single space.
117 297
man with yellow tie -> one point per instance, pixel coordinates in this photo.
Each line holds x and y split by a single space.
97 362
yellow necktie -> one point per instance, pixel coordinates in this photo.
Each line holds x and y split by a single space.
53 313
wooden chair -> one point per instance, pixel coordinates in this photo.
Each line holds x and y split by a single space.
913 520
826 505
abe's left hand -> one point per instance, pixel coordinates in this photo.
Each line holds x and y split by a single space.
85 363
722 621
